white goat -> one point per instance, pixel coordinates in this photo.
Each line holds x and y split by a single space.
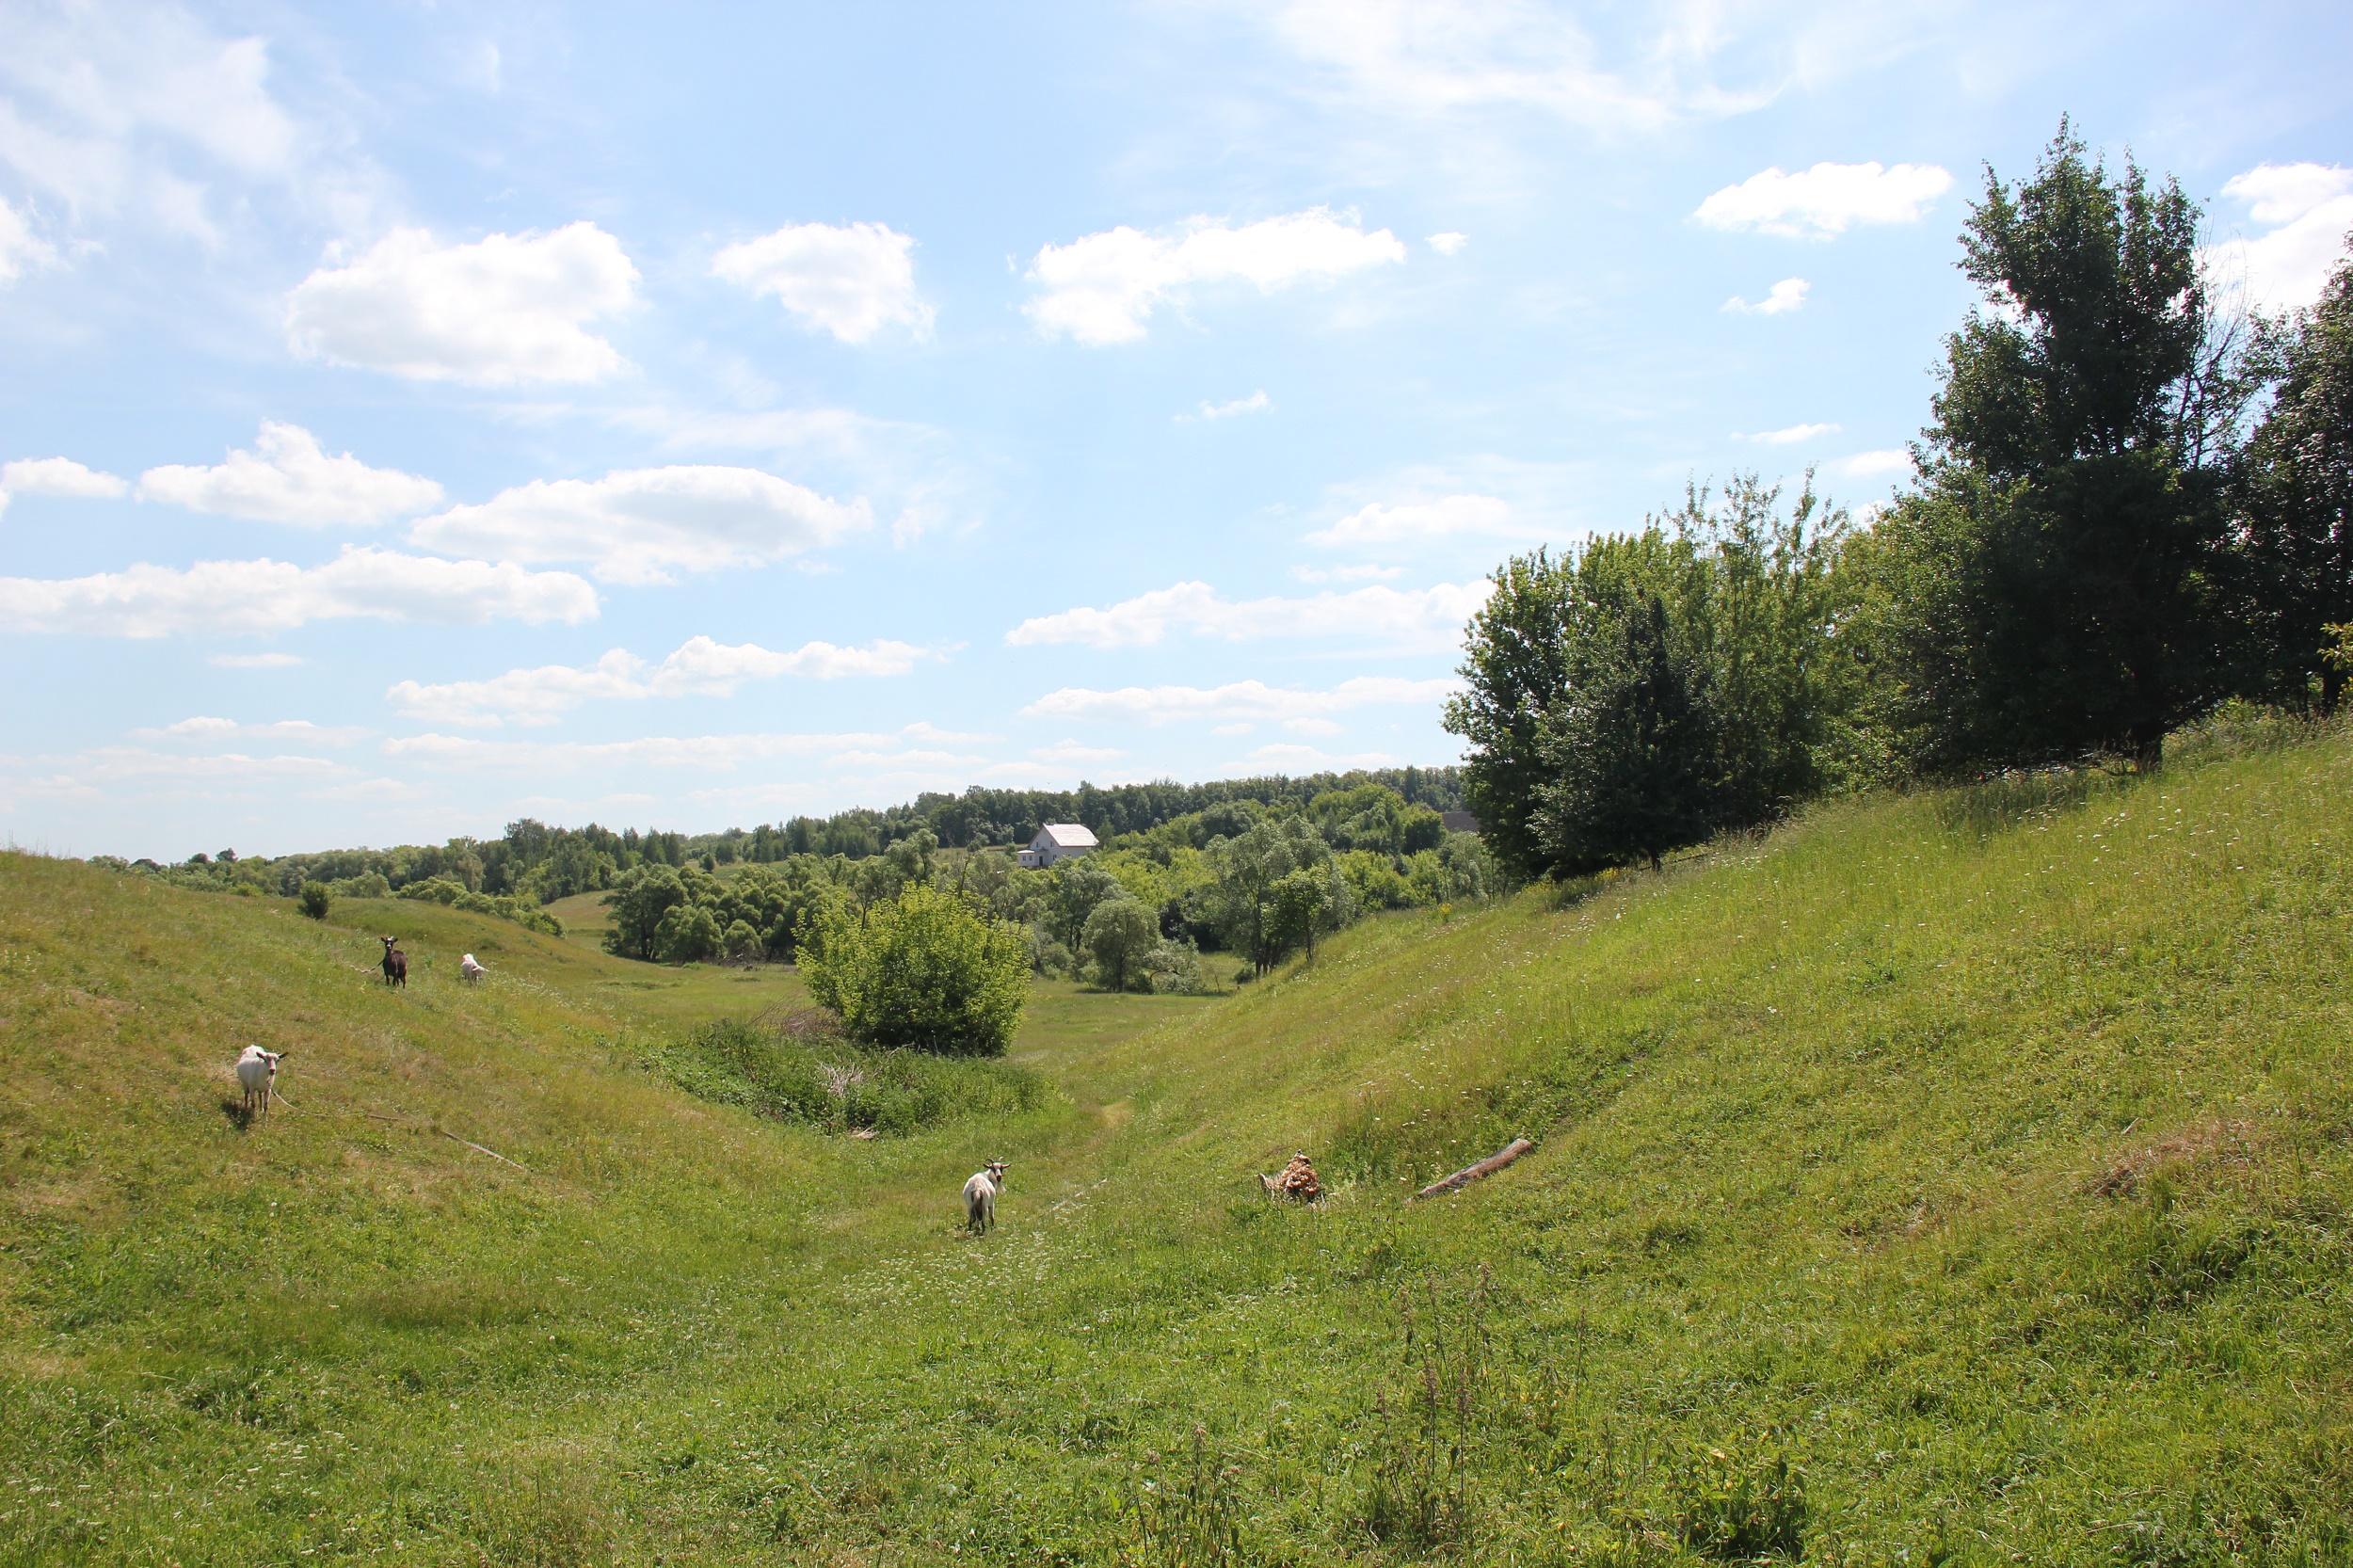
980 1197
472 969
257 1073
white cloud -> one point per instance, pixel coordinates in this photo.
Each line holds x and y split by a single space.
237 597
701 754
1417 618
504 310
57 476
850 282
20 246
1293 758
635 524
1100 288
1874 465
2309 207
285 731
1072 751
1448 243
289 479
1416 520
1240 702
1403 58
1367 572
255 661
1312 727
1788 436
1251 405
700 666
1786 295
1827 199
140 109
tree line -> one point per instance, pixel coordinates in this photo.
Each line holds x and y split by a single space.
2133 503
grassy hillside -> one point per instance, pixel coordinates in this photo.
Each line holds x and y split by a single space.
1961 1177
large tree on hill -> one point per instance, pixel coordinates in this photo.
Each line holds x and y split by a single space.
1635 753
2061 571
2298 496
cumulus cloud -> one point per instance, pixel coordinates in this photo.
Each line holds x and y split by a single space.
1418 618
1448 243
851 282
1415 520
1291 757
287 478
20 247
1827 199
1103 287
1788 436
1240 702
285 731
701 754
505 311
57 476
1786 295
1874 465
143 110
1402 57
1068 750
2309 211
255 661
636 525
1256 402
237 597
699 667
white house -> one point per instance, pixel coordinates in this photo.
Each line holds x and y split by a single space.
1057 840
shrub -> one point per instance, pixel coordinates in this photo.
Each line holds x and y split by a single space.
803 1070
315 898
686 932
1173 970
925 972
1120 933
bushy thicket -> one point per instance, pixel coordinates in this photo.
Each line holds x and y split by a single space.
2131 505
929 969
802 1070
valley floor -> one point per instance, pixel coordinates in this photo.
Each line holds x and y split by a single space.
1958 1177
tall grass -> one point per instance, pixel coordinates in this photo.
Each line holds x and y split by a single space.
792 1072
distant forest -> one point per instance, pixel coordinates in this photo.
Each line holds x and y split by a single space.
535 860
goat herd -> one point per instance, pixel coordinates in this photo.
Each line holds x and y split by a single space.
257 1075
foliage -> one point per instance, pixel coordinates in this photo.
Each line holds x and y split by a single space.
924 971
1119 936
455 895
804 1071
2297 493
2058 582
1727 614
315 900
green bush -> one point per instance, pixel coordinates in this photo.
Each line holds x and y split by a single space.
1120 934
807 1072
315 899
925 970
452 894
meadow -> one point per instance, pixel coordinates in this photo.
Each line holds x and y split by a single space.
1958 1176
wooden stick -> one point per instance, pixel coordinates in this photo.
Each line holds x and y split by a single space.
479 1149
1488 1166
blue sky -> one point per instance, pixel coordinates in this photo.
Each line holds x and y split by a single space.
419 416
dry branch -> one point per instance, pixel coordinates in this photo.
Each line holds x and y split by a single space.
1488 1166
479 1149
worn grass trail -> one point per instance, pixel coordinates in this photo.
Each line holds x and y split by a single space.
1956 1178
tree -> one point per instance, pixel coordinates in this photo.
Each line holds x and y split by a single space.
926 971
2058 574
1120 933
2297 490
1296 906
315 899
687 933
1248 866
645 897
1516 669
1635 753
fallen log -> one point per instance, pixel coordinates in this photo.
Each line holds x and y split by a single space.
1488 1166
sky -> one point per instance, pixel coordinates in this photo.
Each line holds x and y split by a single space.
419 416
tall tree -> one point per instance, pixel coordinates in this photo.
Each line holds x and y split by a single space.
1635 753
2298 496
2059 573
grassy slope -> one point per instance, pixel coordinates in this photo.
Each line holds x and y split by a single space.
1984 1155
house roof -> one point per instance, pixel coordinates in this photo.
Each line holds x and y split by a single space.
1068 834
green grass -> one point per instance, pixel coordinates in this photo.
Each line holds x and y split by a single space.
1956 1178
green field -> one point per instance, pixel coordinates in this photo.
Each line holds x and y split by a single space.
1952 1177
